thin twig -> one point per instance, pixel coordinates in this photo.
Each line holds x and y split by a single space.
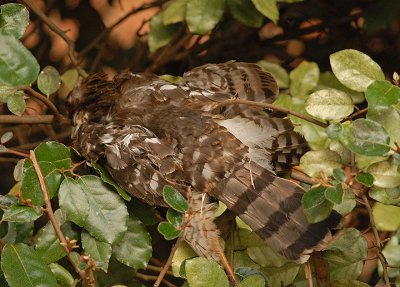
356 114
37 119
272 107
157 269
86 275
168 263
18 153
153 278
378 242
58 31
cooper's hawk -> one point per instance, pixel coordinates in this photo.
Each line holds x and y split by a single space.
150 133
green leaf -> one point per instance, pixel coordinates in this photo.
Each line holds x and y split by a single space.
334 194
355 70
73 201
99 251
329 104
316 207
175 12
135 241
183 252
23 267
365 178
281 276
63 277
385 195
160 34
174 199
313 166
168 230
7 136
268 8
18 66
22 232
389 118
348 283
387 217
16 103
303 79
19 170
201 272
365 137
106 177
246 13
346 254
382 93
385 174
54 152
255 280
49 80
70 78
348 203
174 217
14 19
279 73
5 93
30 183
391 251
107 214
19 213
202 16
339 175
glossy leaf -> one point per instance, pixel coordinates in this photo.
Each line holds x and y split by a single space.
174 217
160 34
279 73
18 263
16 103
202 16
385 174
387 217
99 251
313 166
20 213
107 214
246 13
168 230
18 66
49 80
62 275
136 241
55 152
316 207
14 19
201 272
268 8
303 79
329 104
174 199
355 70
175 12
73 201
106 177
365 178
30 183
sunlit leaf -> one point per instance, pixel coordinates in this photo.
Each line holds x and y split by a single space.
183 252
303 79
268 8
202 16
329 104
70 78
14 19
339 174
334 194
245 12
18 263
6 137
48 80
313 166
385 174
255 280
6 92
355 70
385 195
17 65
174 217
175 12
382 93
365 178
201 272
135 241
387 217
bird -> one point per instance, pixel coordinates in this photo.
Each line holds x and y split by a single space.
149 133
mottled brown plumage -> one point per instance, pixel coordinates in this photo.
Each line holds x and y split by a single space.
149 133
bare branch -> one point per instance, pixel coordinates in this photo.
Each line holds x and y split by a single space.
38 119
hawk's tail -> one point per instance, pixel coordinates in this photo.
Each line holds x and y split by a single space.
271 206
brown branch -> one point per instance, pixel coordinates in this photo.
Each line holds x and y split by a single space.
356 114
38 119
157 269
18 153
58 31
168 263
321 268
378 242
272 107
147 277
87 277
